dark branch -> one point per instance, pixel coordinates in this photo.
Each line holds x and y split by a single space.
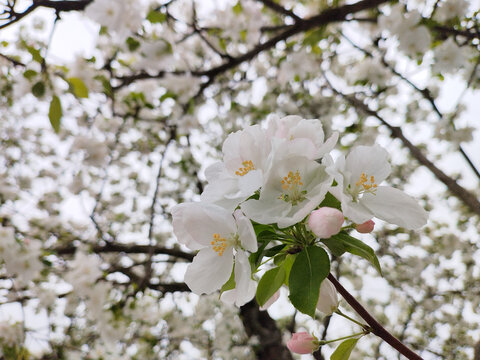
469 199
280 9
127 249
376 328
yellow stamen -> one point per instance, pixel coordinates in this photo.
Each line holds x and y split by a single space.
291 181
247 166
367 186
218 244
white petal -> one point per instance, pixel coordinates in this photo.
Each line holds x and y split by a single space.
195 223
266 212
246 232
209 271
250 182
396 207
328 145
244 285
371 160
356 212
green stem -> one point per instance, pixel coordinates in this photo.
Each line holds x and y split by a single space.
339 312
323 342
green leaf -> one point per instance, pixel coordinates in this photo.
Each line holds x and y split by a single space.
335 246
237 9
55 113
29 74
38 89
355 247
287 264
36 56
313 37
331 201
230 284
132 44
79 88
270 282
310 268
343 351
156 17
274 250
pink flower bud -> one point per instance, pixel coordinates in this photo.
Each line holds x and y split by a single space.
302 343
328 298
325 222
366 227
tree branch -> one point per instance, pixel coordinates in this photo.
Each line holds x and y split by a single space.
376 328
469 199
260 324
280 9
127 249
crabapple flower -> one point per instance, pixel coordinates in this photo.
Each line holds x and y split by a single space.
302 343
325 222
358 178
366 227
293 187
221 239
299 136
245 155
328 298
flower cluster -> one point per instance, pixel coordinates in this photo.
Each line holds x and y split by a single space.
278 194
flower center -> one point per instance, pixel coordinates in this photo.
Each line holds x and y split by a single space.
365 184
292 187
219 243
247 166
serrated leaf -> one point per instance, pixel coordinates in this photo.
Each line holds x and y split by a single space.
156 17
38 89
79 88
310 268
270 282
55 113
356 247
343 351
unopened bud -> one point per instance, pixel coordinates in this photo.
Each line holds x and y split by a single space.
366 227
302 343
325 222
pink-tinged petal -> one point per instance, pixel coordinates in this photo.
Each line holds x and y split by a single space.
244 285
195 223
302 343
371 160
271 301
396 207
325 222
246 233
366 227
209 271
